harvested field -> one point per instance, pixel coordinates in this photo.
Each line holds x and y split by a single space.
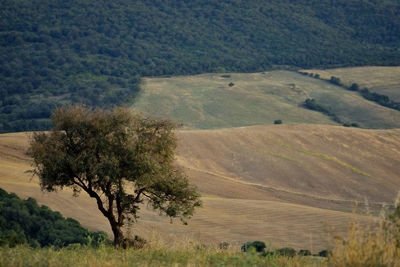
291 185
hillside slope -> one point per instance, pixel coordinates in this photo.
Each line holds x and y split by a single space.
241 99
325 163
92 52
293 185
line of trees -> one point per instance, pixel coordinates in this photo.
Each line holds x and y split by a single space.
380 99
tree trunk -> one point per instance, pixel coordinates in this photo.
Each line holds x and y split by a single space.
118 234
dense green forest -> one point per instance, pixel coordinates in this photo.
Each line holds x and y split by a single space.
94 52
25 222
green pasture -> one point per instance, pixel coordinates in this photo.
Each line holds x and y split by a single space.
239 99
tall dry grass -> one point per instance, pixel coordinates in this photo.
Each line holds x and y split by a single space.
374 244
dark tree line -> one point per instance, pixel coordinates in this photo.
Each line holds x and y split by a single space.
312 104
380 99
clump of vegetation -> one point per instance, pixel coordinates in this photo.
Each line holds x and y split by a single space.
374 244
353 124
224 245
324 253
25 222
304 252
354 87
258 246
336 81
288 252
136 242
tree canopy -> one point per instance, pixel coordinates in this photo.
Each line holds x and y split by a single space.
119 158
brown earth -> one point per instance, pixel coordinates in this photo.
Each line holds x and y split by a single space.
291 185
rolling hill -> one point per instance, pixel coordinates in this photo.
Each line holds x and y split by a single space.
242 99
292 185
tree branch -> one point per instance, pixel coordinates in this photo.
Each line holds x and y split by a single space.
139 192
92 194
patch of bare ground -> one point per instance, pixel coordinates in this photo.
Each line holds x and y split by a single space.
291 185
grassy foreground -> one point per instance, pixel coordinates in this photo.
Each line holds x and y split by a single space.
375 244
107 256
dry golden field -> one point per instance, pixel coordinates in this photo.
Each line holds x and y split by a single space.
291 185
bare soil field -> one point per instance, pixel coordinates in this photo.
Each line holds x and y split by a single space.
290 185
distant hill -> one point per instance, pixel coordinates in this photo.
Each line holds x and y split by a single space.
242 99
93 52
291 185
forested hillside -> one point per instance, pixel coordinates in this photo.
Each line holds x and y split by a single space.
25 222
93 52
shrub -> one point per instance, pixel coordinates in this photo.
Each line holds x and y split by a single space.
268 254
354 87
288 252
375 244
323 253
224 245
335 80
259 246
137 242
304 252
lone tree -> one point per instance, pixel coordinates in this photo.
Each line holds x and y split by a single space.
120 159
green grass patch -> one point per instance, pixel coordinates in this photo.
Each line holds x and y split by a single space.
207 101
